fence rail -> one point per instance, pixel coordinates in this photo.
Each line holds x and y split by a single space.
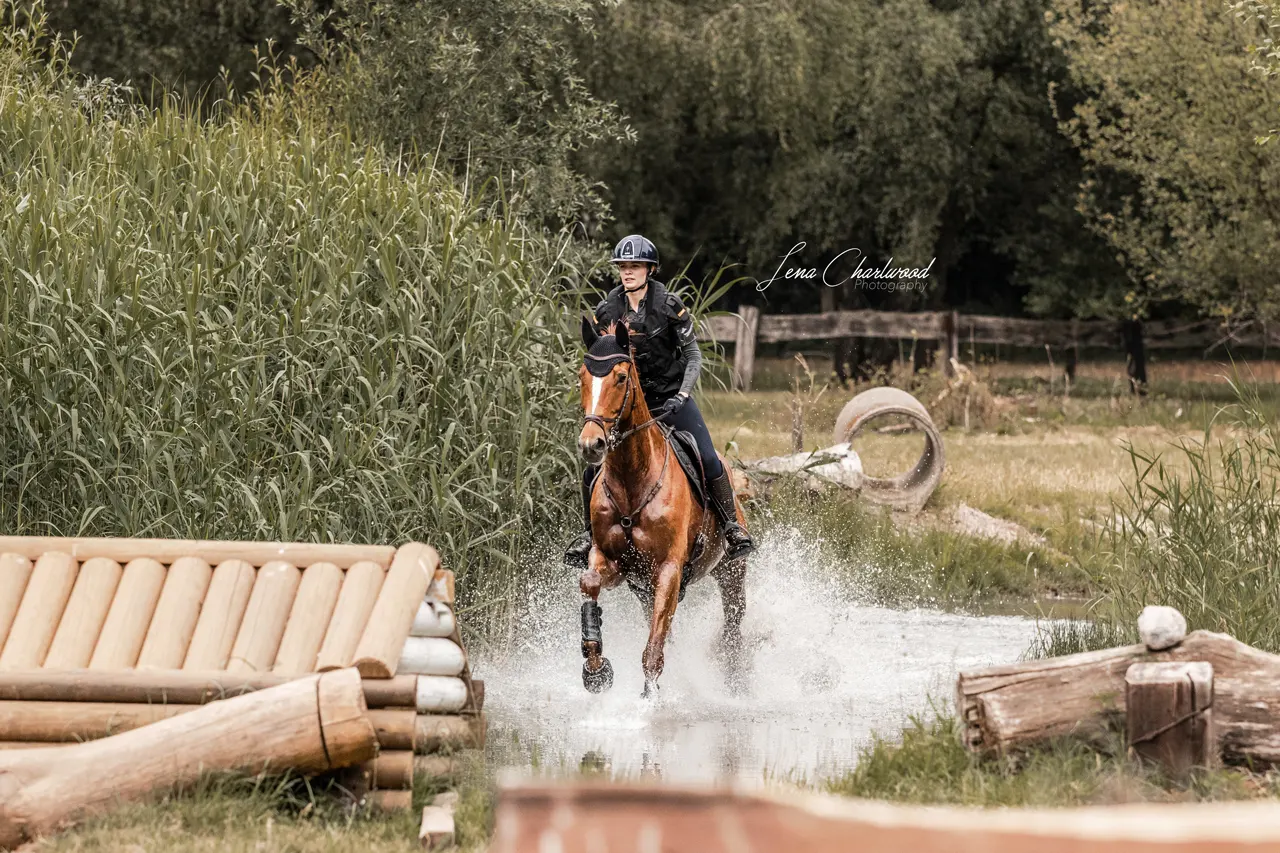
749 327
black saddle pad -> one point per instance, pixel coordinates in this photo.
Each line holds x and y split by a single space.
686 452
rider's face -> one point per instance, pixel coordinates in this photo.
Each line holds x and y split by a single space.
633 274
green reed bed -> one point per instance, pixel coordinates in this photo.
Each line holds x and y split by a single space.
258 327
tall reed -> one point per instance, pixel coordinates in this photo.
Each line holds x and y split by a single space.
257 326
1198 528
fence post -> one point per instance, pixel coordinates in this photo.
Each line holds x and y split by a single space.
951 336
1169 715
744 349
1135 356
1073 351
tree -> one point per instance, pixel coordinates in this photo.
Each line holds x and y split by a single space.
1172 178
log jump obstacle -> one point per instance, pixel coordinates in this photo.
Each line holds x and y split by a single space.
101 636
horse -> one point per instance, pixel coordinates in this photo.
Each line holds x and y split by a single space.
647 527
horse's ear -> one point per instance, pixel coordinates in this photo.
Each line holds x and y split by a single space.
589 335
623 336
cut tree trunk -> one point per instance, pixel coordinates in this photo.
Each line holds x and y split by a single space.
312 724
1008 707
1169 715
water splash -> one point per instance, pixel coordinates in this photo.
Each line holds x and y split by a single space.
824 672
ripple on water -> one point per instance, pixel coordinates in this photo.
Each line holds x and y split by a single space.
824 672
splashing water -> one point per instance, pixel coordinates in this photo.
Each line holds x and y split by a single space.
824 672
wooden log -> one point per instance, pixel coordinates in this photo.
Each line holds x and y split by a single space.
211 551
311 724
441 694
396 769
264 618
15 572
433 619
43 603
441 589
431 656
447 733
177 612
390 802
392 769
67 722
81 622
1169 715
1007 707
436 829
744 347
129 618
309 618
394 728
360 590
174 687
384 636
220 617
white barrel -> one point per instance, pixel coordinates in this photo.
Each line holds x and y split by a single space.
434 619
431 656
439 693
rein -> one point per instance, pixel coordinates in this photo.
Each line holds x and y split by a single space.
613 438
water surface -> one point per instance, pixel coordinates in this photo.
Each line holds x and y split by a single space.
824 673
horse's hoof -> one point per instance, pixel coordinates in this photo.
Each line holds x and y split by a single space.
650 689
600 680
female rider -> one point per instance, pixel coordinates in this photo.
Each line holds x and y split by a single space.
668 358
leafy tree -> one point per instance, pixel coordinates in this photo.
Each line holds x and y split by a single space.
1172 178
489 90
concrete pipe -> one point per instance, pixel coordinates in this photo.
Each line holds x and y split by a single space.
910 490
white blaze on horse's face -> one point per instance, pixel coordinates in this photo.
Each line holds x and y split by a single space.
596 383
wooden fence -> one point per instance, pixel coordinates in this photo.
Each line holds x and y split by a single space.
950 329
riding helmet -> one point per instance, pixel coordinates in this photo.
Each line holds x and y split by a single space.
635 247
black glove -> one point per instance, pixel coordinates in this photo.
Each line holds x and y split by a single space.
670 407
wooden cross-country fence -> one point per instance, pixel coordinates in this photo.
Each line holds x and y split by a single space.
949 329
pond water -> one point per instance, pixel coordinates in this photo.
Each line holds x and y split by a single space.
825 672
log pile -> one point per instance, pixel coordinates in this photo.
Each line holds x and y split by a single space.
313 724
101 636
1006 708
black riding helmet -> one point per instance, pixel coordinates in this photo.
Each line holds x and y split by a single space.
635 247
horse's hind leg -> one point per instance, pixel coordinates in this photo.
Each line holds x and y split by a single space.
732 579
597 672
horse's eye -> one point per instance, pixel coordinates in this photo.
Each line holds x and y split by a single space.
622 377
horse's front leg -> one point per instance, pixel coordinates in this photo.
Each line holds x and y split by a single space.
666 592
601 573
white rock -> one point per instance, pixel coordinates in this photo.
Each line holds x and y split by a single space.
1161 627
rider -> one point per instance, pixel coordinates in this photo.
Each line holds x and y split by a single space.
668 358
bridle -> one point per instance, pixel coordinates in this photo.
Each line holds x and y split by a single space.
613 437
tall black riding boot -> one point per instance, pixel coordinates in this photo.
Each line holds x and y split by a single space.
737 541
576 554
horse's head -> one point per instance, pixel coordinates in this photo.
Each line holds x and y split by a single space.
610 388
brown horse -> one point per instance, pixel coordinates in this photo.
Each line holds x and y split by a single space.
647 527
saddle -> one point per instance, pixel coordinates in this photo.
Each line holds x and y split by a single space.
685 449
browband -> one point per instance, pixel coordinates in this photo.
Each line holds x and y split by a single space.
602 365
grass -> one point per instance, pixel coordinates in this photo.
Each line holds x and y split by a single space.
238 814
929 765
895 566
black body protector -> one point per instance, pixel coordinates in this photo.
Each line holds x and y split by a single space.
667 324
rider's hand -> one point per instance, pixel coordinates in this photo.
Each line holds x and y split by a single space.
672 406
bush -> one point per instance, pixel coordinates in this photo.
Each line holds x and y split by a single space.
256 327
